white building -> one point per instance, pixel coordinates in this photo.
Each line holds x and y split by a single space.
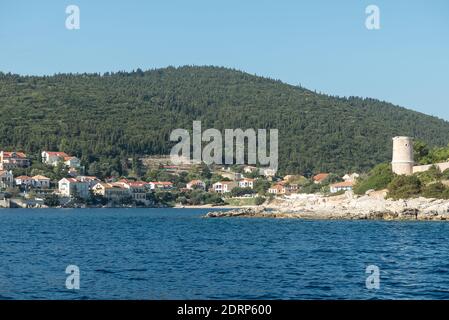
341 186
196 184
71 187
223 186
351 177
160 185
246 183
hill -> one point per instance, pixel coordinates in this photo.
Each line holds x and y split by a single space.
105 118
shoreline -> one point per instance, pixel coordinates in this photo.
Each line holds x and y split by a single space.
371 206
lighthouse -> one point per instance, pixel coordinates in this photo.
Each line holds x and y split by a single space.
403 161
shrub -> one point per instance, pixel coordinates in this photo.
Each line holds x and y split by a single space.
402 187
436 190
378 178
259 200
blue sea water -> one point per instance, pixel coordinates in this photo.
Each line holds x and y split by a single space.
177 254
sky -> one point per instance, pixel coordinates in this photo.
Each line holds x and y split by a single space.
322 45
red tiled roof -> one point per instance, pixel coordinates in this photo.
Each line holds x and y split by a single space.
343 184
57 153
165 183
23 178
8 154
320 177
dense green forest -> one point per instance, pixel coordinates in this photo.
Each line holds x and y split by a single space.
106 118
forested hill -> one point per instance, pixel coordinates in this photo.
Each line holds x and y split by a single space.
112 116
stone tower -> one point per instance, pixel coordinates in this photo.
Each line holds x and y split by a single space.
402 155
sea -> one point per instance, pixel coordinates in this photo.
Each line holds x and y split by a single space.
145 254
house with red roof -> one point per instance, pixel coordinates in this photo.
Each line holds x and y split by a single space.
320 177
52 158
113 191
10 160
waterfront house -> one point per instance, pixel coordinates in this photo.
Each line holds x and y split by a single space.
320 177
341 186
71 187
112 191
40 181
23 181
12 160
246 183
223 186
52 158
137 189
6 179
277 189
196 184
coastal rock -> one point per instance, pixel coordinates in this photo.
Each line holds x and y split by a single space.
348 206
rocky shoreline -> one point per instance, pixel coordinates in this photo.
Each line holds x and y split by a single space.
372 206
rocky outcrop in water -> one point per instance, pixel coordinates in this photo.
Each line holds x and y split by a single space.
370 206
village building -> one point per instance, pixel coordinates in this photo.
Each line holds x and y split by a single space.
351 177
160 185
223 186
246 183
24 181
249 169
71 187
6 179
12 160
267 172
196 184
342 186
137 189
112 191
52 158
40 181
91 180
320 177
72 162
277 189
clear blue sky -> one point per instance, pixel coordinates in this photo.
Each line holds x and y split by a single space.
321 45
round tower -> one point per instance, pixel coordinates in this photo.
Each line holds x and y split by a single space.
402 155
